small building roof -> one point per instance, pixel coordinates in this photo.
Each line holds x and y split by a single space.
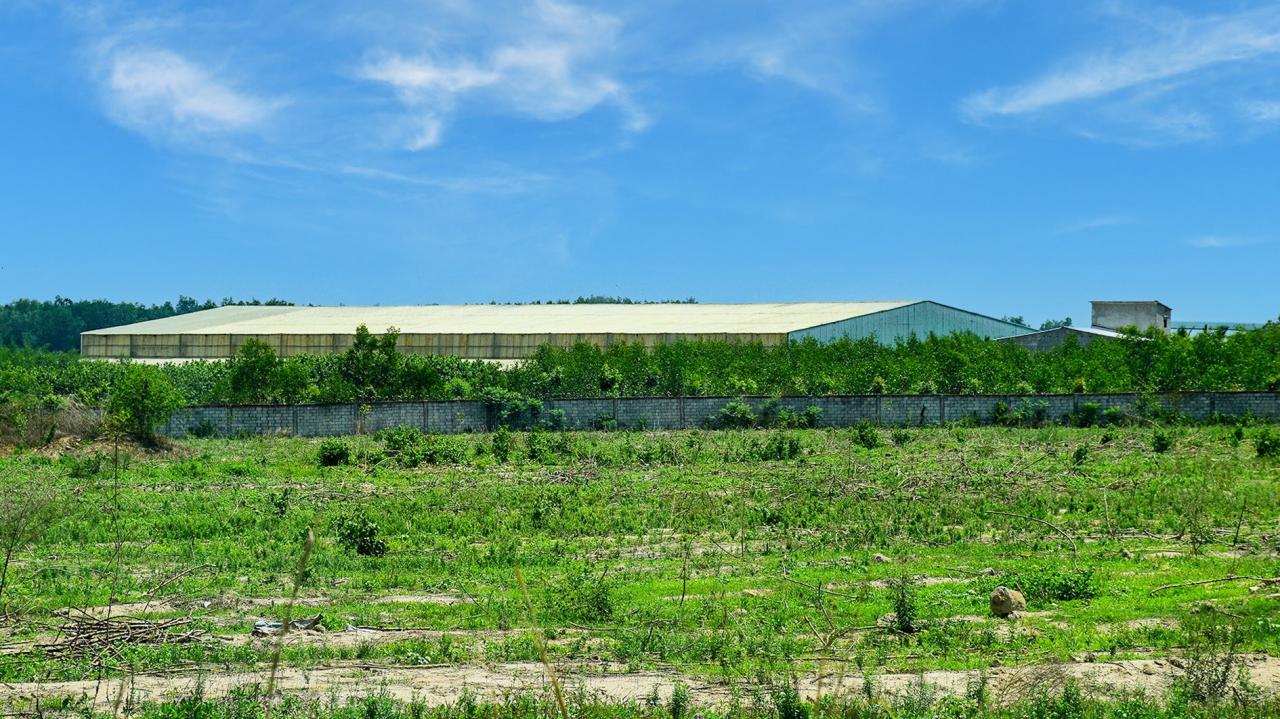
1131 302
1098 331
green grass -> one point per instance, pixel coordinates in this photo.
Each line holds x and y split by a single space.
688 551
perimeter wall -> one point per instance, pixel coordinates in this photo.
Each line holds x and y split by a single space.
694 412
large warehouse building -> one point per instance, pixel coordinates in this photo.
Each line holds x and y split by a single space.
507 332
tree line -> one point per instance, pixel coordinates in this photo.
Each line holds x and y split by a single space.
56 324
372 369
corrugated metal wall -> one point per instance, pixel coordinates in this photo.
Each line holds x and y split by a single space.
920 319
470 346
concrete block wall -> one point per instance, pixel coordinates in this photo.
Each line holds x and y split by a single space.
910 410
693 412
978 408
319 420
457 417
394 414
650 412
700 411
198 420
261 420
1263 405
580 413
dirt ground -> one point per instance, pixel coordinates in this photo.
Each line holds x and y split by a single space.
440 684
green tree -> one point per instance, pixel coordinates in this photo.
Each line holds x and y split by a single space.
252 375
370 366
141 400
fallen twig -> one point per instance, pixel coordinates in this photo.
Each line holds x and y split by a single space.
88 636
176 577
815 587
1055 527
1228 578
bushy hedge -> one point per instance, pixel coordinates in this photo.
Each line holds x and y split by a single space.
372 370
955 364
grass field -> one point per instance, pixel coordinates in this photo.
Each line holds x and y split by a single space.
723 562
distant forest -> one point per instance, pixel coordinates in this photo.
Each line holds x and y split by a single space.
56 324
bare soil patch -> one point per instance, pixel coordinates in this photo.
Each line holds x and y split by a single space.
438 684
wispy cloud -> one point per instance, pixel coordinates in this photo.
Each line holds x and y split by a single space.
550 71
1181 46
1164 77
1217 242
510 183
154 90
1096 223
1263 111
810 47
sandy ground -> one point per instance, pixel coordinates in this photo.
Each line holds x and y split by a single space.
443 684
232 602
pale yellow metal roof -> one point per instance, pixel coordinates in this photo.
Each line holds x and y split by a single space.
510 319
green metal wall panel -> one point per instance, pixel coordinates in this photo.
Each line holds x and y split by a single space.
920 319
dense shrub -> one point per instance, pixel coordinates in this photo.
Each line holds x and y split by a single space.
1161 440
1048 583
255 375
410 447
1088 414
1267 442
502 444
334 452
1114 415
867 436
360 534
736 414
586 596
781 446
1027 413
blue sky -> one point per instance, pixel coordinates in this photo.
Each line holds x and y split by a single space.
1008 157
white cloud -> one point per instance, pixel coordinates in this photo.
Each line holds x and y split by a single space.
551 69
428 134
1096 223
501 183
809 48
154 90
1265 111
1176 47
1215 242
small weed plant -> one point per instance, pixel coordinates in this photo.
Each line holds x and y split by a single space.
902 591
